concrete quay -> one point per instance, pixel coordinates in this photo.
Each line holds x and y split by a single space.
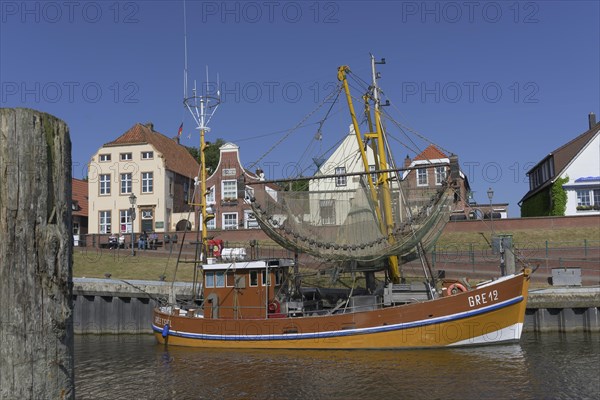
110 306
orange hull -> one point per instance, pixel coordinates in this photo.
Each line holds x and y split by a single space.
489 313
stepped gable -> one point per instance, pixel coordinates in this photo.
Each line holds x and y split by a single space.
176 156
430 153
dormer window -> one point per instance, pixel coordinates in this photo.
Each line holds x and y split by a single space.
126 156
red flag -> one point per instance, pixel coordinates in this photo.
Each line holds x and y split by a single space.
180 130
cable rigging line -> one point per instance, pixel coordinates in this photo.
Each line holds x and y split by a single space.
294 128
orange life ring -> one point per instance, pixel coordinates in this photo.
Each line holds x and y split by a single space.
454 288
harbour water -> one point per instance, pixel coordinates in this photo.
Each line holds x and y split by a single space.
541 366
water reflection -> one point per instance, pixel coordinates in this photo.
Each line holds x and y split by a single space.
125 367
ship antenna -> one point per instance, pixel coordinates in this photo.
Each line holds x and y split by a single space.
202 106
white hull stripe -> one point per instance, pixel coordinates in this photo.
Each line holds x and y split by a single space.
345 332
510 333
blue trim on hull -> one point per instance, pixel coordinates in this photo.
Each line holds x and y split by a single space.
347 332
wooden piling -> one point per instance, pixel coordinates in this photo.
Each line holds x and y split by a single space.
36 329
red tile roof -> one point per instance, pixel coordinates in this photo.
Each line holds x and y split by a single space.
176 156
80 197
431 153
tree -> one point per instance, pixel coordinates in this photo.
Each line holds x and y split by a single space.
211 154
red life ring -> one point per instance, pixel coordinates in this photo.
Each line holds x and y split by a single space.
455 288
274 307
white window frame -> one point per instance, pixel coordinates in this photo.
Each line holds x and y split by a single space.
228 192
340 180
228 217
210 197
255 273
126 183
440 175
250 221
209 279
125 220
596 197
147 155
104 182
104 157
328 219
373 175
220 279
104 221
583 197
126 156
422 172
147 182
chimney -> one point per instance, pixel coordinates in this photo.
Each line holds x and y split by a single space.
407 161
150 126
592 119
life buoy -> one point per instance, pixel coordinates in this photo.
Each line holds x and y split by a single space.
455 288
274 307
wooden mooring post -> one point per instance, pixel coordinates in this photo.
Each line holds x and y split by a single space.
36 329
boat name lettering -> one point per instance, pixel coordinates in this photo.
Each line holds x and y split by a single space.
161 321
483 298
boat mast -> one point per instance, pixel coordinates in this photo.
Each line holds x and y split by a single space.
202 108
384 182
378 144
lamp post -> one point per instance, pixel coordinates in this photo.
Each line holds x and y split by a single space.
490 194
132 200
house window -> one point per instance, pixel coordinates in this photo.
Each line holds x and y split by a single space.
211 224
75 228
126 183
583 197
230 221
340 180
104 157
126 156
253 278
597 197
186 192
209 278
147 182
373 176
104 218
440 175
422 177
147 155
125 220
250 220
104 184
210 197
229 190
327 211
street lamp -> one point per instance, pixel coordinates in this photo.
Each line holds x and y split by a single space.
132 200
490 194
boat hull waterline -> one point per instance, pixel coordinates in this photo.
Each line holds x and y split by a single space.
488 314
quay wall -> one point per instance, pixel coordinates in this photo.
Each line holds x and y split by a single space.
108 306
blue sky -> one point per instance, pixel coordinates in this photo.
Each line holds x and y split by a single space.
499 83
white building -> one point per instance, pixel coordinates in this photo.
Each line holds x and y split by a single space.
156 169
579 162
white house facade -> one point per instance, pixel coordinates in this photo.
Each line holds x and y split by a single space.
156 169
583 187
